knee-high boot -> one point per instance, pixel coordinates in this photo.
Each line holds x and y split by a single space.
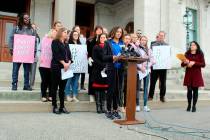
98 104
103 100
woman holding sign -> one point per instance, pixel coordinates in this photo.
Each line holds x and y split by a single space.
61 59
73 82
193 77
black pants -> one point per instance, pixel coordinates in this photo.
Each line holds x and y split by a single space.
115 90
45 74
90 83
57 82
155 74
192 93
82 80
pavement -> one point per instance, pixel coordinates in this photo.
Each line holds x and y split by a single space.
168 124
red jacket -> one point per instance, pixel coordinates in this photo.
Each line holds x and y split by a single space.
193 76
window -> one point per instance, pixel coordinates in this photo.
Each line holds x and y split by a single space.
193 28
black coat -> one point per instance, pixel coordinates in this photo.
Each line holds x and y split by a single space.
108 56
60 51
91 42
98 65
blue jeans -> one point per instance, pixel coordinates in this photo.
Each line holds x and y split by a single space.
15 72
72 85
146 84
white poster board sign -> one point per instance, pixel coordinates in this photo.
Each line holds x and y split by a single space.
79 57
162 56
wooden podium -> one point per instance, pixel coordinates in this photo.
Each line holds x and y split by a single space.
131 92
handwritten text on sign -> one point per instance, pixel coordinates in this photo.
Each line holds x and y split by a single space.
46 53
79 57
23 51
162 55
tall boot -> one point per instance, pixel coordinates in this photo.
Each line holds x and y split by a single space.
97 99
195 99
103 100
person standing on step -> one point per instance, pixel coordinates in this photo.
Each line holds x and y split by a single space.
32 73
72 83
99 77
193 76
112 51
161 74
24 27
45 72
61 59
83 41
91 42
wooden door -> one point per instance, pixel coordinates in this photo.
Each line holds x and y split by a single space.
6 26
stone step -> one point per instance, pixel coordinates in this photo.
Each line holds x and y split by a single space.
82 106
34 95
21 95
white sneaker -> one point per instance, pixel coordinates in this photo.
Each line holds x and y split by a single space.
69 99
44 99
138 109
146 109
75 99
122 109
92 99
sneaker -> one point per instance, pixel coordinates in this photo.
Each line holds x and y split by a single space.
92 99
69 99
146 109
122 109
27 88
75 100
44 99
50 99
138 109
109 115
116 115
14 88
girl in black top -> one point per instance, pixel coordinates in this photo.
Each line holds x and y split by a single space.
61 59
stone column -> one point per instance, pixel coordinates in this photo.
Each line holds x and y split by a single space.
65 12
139 8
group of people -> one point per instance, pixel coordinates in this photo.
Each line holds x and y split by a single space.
107 73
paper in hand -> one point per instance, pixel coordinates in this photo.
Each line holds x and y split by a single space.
181 57
66 74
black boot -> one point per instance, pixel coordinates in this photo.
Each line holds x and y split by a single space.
103 100
97 100
189 107
194 109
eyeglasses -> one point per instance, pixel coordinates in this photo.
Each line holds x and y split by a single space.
26 18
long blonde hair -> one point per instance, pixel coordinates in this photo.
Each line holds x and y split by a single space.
59 33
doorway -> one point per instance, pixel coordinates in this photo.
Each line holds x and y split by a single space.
85 18
8 19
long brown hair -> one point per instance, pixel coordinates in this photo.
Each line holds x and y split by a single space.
59 33
114 31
